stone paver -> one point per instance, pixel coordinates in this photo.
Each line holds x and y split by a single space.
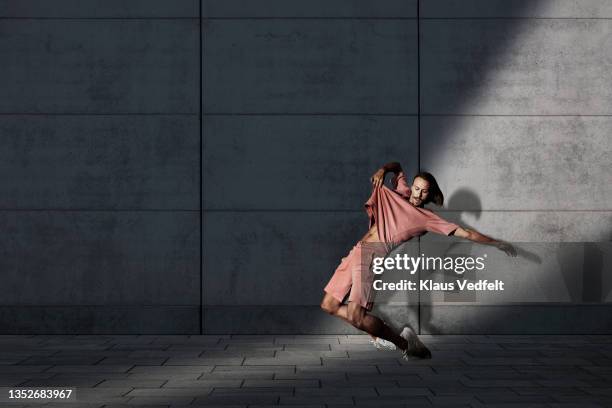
310 371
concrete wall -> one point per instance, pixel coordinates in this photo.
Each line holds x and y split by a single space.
506 102
99 147
303 104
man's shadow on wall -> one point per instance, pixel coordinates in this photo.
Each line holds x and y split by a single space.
463 203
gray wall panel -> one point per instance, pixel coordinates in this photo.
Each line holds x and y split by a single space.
278 258
272 319
110 319
310 66
301 162
525 319
543 272
533 226
280 319
99 258
99 8
310 9
520 163
510 67
99 66
516 8
84 162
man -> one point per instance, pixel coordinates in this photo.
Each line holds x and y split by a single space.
396 216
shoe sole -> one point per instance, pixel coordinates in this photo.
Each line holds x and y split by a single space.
418 350
381 347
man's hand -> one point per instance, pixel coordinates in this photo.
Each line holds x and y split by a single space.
378 178
506 247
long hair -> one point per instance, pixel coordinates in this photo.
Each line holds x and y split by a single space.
435 194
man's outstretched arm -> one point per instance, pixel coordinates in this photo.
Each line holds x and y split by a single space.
476 236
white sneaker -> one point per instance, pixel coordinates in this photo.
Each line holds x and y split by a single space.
383 344
416 348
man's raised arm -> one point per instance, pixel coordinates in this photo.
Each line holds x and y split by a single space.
379 177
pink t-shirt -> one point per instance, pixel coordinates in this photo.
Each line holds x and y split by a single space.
396 219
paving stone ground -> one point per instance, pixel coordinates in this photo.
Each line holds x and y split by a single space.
323 371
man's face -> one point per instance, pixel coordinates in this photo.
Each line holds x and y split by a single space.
419 191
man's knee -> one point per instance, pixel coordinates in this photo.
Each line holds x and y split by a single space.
330 305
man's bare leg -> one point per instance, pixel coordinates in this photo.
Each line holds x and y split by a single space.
357 316
335 308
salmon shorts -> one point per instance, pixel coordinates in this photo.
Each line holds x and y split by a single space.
354 275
